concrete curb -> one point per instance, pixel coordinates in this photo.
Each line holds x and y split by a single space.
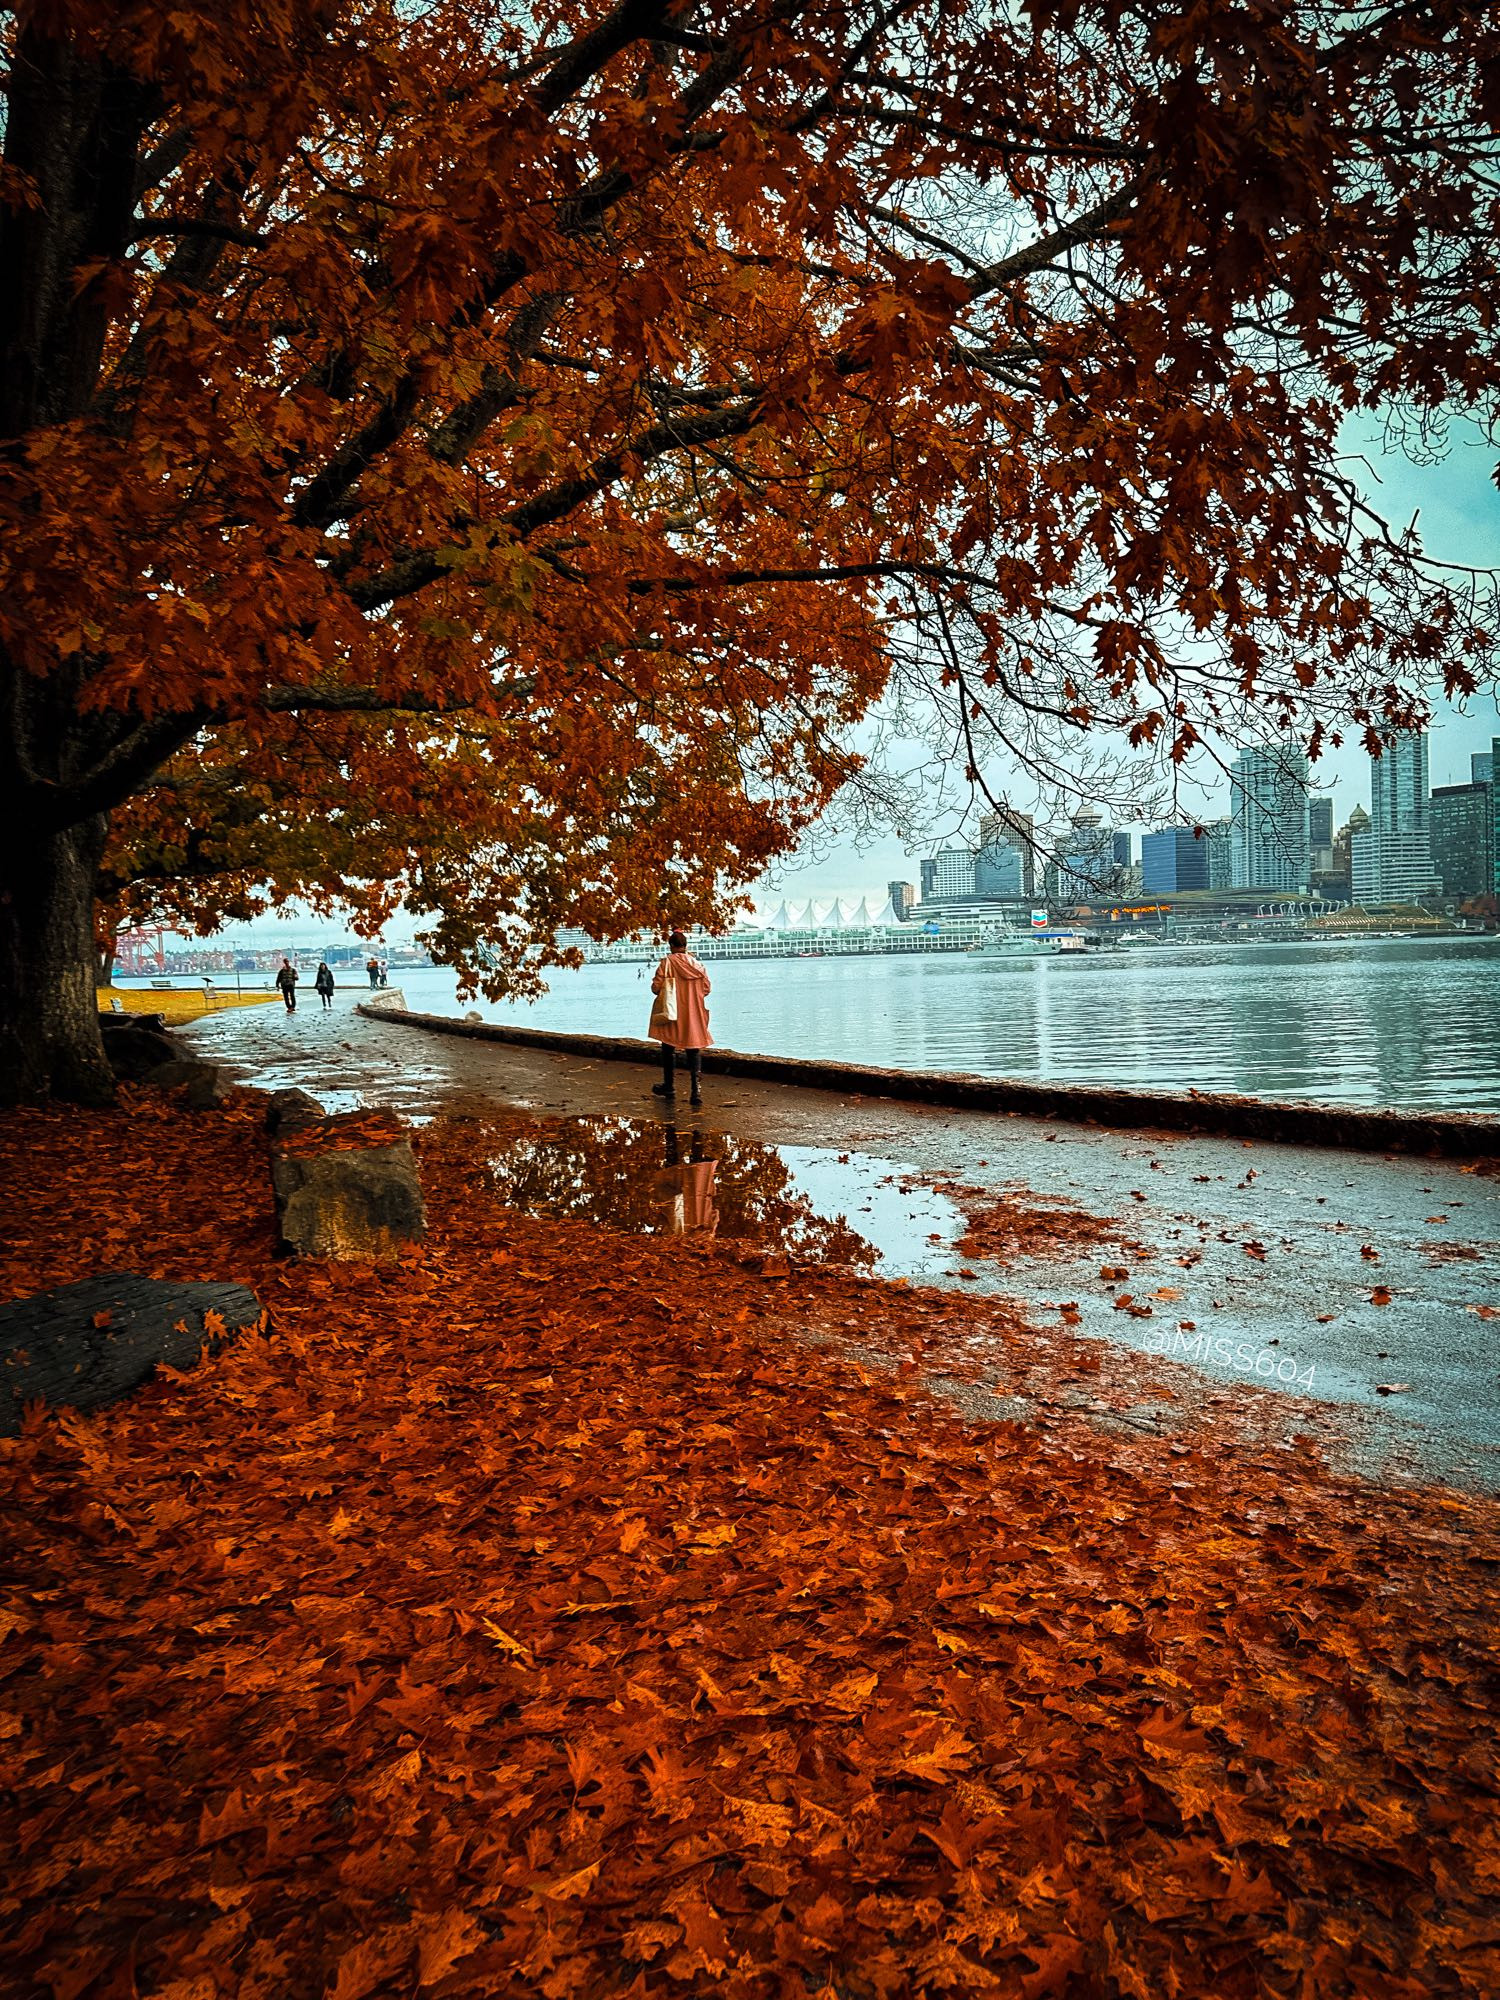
1287 1122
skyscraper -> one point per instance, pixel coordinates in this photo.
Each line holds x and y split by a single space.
1320 833
1216 835
902 896
1268 822
1461 830
948 873
1482 767
1392 862
1083 865
1172 859
1007 828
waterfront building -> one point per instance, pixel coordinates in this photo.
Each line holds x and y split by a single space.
1392 861
1173 858
901 896
1482 767
1343 842
1268 822
1495 814
1124 848
947 874
1460 820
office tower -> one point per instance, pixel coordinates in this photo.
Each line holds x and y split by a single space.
1268 820
1216 837
1172 859
1320 833
1460 826
1343 844
1007 828
1482 767
947 874
1495 813
1124 849
1083 866
1392 861
902 896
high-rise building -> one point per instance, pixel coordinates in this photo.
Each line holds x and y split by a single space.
1495 813
1083 865
1320 833
1002 869
1482 766
902 896
1343 843
1392 861
1268 823
948 873
1172 859
1124 848
1007 828
1216 837
1460 825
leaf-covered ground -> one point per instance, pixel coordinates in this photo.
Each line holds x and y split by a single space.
549 1616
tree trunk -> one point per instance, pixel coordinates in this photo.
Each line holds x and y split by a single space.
49 1017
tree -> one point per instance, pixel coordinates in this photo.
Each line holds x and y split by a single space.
489 455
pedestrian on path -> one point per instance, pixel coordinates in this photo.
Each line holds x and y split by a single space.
385 973
679 1017
286 979
323 984
372 966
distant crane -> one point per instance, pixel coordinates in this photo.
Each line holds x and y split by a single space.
141 951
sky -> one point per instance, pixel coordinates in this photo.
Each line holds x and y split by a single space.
1458 507
1458 510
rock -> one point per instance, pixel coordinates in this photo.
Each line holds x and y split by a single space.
136 1044
346 1187
199 1082
85 1345
290 1108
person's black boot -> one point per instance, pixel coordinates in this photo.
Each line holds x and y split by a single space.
668 1085
695 1077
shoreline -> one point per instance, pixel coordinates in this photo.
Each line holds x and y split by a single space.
1295 1122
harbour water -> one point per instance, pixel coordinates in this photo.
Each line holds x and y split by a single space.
1404 1023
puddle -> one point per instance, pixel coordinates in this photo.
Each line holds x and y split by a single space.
807 1203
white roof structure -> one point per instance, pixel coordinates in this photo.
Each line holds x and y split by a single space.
834 918
805 919
862 919
886 915
782 921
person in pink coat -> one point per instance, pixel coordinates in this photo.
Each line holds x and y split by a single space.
679 1017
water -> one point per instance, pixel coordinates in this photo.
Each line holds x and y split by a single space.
1403 1023
811 1204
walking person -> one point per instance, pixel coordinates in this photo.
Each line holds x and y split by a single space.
323 984
286 979
679 1017
372 966
385 973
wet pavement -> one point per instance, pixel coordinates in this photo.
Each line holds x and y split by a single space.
1361 1293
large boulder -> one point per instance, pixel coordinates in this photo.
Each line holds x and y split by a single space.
346 1187
199 1083
136 1044
289 1108
91 1343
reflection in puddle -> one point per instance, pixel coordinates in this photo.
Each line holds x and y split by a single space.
655 1180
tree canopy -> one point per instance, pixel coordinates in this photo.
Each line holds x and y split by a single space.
489 456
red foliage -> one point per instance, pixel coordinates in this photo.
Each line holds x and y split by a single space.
549 1614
